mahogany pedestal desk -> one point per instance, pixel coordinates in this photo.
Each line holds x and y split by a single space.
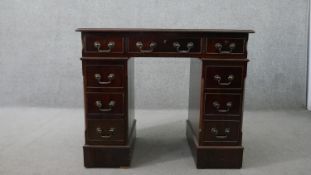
217 73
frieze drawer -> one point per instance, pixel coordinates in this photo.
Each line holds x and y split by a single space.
164 44
101 44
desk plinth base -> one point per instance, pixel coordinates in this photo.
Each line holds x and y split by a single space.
96 156
214 156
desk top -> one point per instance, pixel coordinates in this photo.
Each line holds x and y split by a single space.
162 30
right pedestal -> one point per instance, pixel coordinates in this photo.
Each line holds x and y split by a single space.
214 125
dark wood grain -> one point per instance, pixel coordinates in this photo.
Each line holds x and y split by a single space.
203 44
110 155
164 42
105 98
224 72
104 72
222 99
231 138
90 38
218 69
213 156
94 138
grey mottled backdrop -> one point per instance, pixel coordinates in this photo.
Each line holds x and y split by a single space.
39 53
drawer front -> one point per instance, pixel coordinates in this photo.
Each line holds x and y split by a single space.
224 77
164 44
103 43
221 132
105 76
105 132
105 104
229 46
223 104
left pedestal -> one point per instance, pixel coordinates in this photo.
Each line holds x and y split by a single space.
109 119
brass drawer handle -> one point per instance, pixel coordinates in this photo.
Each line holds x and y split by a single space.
220 47
140 46
230 78
102 134
217 106
111 104
110 77
110 46
214 131
177 46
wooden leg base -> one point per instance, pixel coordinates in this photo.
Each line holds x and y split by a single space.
110 155
214 156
